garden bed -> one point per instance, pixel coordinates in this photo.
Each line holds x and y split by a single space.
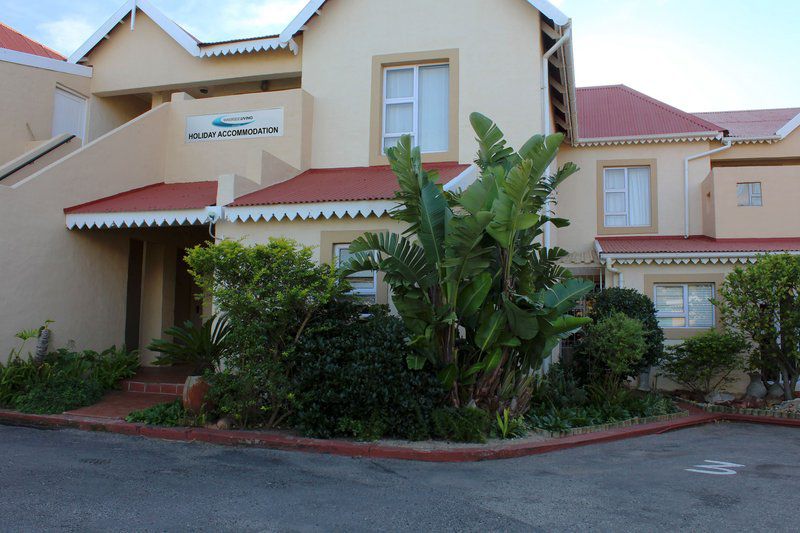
770 412
611 425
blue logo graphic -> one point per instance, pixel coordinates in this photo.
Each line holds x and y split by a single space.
233 121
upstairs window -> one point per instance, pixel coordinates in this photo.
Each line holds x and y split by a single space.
626 197
749 194
684 305
365 283
416 102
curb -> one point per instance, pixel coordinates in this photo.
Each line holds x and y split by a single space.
278 441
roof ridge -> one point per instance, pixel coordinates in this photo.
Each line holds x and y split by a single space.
63 57
672 109
747 110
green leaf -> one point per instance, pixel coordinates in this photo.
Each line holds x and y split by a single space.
492 149
416 362
448 375
473 295
524 324
489 330
562 297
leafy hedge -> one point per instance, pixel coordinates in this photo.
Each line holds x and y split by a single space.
352 379
65 380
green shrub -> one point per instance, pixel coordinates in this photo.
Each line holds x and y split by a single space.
560 402
351 378
164 414
64 380
238 394
201 347
465 424
613 345
61 393
636 305
269 293
704 363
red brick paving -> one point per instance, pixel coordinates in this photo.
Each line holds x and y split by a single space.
119 404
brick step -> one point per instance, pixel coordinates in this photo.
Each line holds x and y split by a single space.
148 387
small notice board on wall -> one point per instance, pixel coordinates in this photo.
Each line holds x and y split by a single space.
238 125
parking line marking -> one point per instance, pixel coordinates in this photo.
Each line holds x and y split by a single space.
715 468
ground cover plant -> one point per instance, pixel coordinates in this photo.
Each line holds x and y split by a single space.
762 301
164 414
561 402
63 380
484 301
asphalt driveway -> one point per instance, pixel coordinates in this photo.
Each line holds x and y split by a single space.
72 480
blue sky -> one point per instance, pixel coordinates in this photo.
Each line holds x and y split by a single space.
698 55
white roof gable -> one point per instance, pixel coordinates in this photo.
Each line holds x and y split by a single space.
189 43
546 8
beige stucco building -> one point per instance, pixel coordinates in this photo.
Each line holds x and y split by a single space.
284 136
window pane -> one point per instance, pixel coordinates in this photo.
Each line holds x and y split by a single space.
669 299
755 188
639 196
615 202
391 142
399 118
742 194
400 83
755 200
616 221
434 108
672 322
614 178
701 310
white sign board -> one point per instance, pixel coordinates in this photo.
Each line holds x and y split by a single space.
237 125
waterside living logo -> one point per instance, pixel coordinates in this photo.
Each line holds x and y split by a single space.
248 124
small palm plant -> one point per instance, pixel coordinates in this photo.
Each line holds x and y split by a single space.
480 294
201 347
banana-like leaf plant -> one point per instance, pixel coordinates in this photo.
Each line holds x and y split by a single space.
481 296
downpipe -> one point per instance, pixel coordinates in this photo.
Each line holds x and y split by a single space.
726 145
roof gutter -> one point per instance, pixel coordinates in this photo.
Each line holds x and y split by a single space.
727 144
546 126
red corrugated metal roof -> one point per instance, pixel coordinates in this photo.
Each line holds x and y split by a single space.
339 185
752 122
619 111
156 197
694 244
14 40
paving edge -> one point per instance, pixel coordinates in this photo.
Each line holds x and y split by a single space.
371 450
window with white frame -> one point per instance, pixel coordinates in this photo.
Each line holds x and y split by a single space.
364 283
749 194
416 101
626 197
684 305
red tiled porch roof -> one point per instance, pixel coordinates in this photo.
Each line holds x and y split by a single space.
618 111
676 244
14 40
156 197
340 185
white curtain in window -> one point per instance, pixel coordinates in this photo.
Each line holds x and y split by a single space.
743 194
639 196
399 118
434 108
400 83
701 310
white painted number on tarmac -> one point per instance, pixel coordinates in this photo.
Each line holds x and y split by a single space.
715 468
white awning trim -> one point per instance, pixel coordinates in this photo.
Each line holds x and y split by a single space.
651 139
139 219
314 211
695 258
463 180
244 47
